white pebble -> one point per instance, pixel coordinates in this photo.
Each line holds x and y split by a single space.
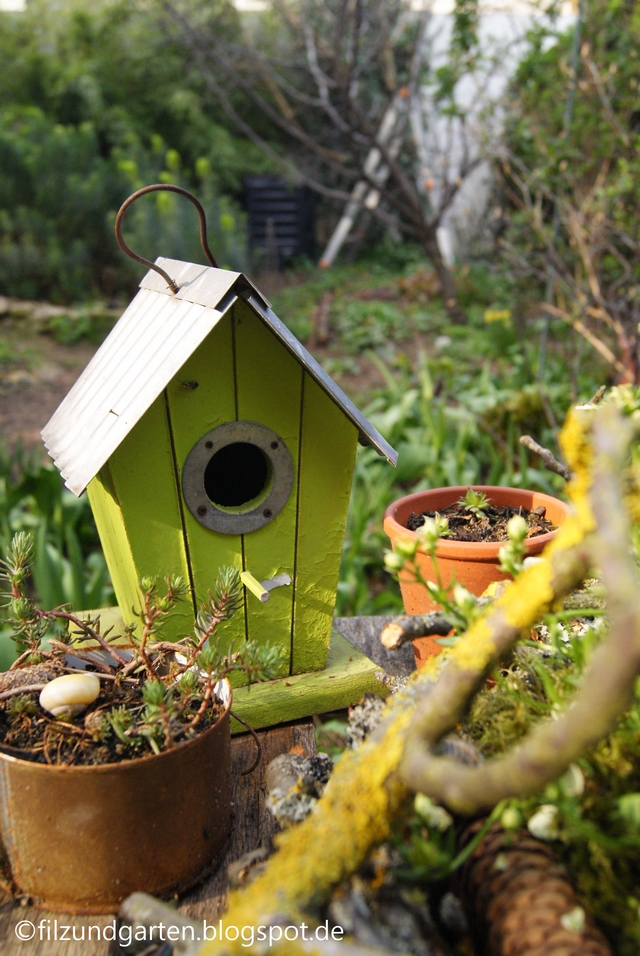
69 695
432 814
572 781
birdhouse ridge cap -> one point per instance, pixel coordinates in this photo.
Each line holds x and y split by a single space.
196 282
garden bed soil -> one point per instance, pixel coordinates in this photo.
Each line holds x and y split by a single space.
489 525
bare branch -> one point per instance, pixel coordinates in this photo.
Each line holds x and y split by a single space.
580 327
606 102
25 689
407 626
597 397
203 56
322 81
330 68
551 463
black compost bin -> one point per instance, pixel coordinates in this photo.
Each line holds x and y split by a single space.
281 219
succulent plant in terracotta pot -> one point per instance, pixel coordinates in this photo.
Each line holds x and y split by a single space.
466 549
116 777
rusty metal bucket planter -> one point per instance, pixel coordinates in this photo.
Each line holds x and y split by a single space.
80 839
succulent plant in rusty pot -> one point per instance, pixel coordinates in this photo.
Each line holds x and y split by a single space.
115 751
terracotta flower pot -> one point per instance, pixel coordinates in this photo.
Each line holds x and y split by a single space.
80 839
475 565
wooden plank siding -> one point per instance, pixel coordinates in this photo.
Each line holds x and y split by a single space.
329 442
269 387
243 373
193 412
115 544
144 483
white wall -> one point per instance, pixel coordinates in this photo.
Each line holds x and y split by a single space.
502 29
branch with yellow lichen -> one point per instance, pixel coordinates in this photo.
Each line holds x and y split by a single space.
607 689
367 790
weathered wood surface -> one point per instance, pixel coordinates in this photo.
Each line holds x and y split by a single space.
348 676
364 633
253 827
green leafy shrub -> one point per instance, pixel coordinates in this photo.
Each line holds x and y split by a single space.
570 172
441 440
95 103
455 413
370 325
58 199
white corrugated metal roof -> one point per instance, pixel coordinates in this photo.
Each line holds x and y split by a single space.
150 343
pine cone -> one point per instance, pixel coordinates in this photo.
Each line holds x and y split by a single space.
517 897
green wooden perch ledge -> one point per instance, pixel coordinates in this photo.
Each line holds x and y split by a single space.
206 435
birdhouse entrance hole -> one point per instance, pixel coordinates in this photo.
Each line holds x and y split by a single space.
237 477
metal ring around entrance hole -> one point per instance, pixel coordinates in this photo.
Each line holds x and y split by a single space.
263 508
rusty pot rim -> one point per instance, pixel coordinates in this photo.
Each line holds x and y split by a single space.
468 549
122 765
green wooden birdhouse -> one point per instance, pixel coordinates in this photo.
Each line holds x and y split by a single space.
206 435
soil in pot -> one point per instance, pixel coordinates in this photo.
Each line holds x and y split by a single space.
116 780
28 732
488 524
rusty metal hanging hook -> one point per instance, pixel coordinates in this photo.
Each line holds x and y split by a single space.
158 187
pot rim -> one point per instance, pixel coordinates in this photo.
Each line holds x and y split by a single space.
467 549
226 691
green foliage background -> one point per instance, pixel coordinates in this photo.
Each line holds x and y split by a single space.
572 151
95 101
